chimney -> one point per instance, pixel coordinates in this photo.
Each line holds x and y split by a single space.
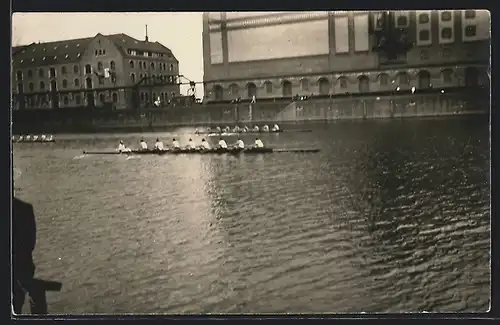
147 39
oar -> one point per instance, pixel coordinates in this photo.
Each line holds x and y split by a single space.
296 150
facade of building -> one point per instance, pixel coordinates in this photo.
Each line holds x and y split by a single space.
96 71
283 54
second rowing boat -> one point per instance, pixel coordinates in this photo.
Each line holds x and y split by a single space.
198 151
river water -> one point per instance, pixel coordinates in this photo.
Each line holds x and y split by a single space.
391 216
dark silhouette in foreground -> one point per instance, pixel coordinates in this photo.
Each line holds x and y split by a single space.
23 268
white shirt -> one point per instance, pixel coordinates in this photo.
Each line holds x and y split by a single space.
159 145
175 144
190 145
144 145
223 144
276 127
240 144
217 129
28 137
35 137
121 147
259 144
205 145
236 129
256 128
43 137
265 128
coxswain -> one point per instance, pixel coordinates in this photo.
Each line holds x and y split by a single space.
122 148
258 143
190 145
265 128
222 144
256 128
144 145
175 144
159 145
239 144
204 145
275 128
218 129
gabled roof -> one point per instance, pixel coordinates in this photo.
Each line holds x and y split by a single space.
70 51
40 54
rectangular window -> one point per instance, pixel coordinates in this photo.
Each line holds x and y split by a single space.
470 31
424 35
470 14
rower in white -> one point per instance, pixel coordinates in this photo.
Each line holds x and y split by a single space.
239 144
275 128
236 129
175 144
256 128
190 145
159 145
265 128
204 145
50 138
28 137
35 137
245 129
222 144
226 129
217 129
258 143
144 145
43 137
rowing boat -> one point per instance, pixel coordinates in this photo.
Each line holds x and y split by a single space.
33 141
230 133
198 151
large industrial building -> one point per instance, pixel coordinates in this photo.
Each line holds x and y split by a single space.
96 71
283 54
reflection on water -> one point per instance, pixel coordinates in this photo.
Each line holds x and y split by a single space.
391 216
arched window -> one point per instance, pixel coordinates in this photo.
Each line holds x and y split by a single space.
102 98
304 84
31 86
41 73
269 87
99 66
363 84
142 97
131 63
218 92
30 73
251 90
424 79
132 77
324 86
53 85
287 88
19 75
65 83
88 69
342 82
65 100
88 83
152 65
52 72
234 90
42 85
115 98
75 69
383 79
77 82
171 67
447 75
112 65
63 70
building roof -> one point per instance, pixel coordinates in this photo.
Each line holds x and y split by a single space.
70 51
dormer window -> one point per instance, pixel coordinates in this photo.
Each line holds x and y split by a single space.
66 46
33 60
66 56
135 42
78 55
55 57
44 49
44 58
78 45
55 47
33 50
22 61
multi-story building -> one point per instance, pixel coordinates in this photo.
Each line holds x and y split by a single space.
95 71
282 54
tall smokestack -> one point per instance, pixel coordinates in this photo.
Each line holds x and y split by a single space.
147 38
